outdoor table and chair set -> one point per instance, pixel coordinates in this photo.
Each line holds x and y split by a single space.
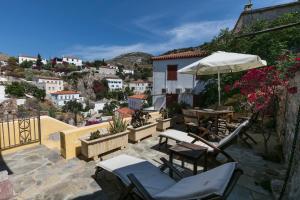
215 131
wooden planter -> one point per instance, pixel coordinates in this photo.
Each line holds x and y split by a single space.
163 124
94 148
136 134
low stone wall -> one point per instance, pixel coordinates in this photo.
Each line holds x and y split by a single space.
49 126
292 103
70 145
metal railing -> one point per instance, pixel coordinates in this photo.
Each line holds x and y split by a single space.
18 129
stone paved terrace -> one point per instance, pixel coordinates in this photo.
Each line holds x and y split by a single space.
41 173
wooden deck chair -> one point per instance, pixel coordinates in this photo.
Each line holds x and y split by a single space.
144 180
214 148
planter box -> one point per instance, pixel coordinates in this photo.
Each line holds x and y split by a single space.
94 148
163 124
136 134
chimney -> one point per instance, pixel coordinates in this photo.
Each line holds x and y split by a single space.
248 7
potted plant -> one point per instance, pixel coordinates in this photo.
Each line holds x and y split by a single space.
164 121
140 126
105 140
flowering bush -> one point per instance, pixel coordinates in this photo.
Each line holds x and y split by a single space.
261 86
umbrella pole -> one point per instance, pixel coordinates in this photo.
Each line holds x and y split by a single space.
219 88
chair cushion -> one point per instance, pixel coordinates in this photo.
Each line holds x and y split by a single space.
150 176
184 137
177 135
199 186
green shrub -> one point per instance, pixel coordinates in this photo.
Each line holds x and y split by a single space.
117 125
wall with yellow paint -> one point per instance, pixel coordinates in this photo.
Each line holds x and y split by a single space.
10 133
69 139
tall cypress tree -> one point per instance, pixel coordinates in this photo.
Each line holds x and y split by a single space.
39 62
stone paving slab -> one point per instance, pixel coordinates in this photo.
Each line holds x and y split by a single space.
41 173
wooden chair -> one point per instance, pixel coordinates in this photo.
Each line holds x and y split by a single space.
144 180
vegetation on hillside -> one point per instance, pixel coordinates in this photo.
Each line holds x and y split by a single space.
269 46
19 89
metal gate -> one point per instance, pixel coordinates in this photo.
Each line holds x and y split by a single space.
18 129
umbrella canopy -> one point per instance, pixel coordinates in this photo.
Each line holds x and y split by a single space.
223 62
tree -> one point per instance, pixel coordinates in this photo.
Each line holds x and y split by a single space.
100 88
15 89
74 107
39 94
12 62
149 97
39 63
128 92
109 108
269 46
26 64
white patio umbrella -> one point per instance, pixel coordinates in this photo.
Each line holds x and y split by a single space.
223 62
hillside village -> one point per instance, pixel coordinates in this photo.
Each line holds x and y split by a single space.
101 87
227 106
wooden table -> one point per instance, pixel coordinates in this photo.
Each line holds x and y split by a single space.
191 152
215 114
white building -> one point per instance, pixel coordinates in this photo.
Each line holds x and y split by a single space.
23 58
107 71
60 98
140 86
115 83
136 102
128 71
72 60
49 84
169 86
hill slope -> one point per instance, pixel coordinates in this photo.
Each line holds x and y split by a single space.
4 57
129 60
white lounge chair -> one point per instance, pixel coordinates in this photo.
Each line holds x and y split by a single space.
213 148
146 181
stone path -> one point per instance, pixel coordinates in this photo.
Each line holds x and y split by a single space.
40 173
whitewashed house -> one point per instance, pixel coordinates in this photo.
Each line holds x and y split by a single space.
170 86
128 71
49 84
136 102
60 98
107 71
140 86
115 83
72 60
23 58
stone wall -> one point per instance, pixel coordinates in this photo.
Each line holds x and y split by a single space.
292 104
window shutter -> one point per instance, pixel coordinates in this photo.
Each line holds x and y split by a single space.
172 72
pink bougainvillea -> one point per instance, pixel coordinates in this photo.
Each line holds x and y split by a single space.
260 86
227 88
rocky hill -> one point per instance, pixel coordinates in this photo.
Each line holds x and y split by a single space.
130 60
3 57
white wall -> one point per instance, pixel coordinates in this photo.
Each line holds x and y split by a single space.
160 80
50 85
140 87
2 93
22 59
107 71
135 104
74 61
61 99
115 84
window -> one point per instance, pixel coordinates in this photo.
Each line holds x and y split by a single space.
172 73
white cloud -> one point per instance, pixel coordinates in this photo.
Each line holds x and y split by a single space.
185 35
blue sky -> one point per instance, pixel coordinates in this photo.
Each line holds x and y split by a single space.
96 29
